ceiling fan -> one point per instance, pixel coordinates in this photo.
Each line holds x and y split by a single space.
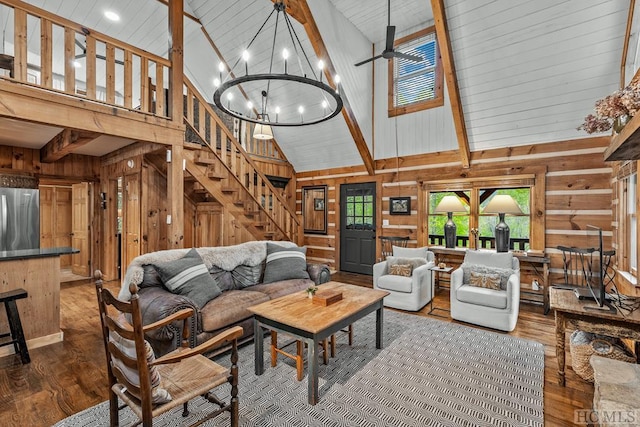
389 51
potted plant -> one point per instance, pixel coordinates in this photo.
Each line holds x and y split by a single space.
311 291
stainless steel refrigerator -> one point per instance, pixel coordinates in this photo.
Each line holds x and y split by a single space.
19 219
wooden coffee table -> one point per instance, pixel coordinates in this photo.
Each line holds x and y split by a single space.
296 315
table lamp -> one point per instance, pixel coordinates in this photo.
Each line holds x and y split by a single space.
502 204
450 204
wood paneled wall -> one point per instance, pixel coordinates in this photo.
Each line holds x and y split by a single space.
577 192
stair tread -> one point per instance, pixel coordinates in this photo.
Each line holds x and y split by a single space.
192 145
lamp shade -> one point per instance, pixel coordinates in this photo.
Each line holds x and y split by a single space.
262 131
450 204
503 203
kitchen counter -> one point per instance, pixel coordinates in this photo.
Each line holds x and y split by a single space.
38 272
36 253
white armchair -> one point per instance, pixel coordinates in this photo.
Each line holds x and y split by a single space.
406 293
492 308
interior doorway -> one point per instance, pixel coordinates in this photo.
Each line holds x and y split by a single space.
357 227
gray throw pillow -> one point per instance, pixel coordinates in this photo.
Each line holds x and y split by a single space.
504 273
246 275
188 276
222 277
285 263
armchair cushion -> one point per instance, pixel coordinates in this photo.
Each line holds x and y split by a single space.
401 270
285 263
482 296
391 282
188 276
489 281
399 251
503 273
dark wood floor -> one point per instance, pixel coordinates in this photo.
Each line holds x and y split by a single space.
68 377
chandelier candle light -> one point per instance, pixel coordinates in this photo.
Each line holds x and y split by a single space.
502 204
450 204
291 81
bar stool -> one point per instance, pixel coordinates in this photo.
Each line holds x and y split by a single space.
17 336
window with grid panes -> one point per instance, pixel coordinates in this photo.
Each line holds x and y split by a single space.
415 86
360 211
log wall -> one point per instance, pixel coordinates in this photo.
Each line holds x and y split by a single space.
577 192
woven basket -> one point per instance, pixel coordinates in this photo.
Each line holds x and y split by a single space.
583 345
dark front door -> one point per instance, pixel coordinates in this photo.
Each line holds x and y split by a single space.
357 227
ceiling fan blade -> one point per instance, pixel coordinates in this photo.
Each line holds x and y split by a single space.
391 33
406 56
368 60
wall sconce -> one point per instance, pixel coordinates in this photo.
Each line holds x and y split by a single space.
168 156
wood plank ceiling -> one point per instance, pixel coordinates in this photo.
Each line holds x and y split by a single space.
528 72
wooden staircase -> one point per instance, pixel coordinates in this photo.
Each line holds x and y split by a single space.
224 170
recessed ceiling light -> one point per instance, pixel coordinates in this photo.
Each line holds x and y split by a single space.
111 15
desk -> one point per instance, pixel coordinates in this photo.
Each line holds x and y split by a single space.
536 266
436 279
571 314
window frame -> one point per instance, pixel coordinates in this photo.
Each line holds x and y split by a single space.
438 101
624 251
535 181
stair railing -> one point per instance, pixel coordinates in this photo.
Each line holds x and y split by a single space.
202 118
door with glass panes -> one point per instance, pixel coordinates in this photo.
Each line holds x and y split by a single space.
357 227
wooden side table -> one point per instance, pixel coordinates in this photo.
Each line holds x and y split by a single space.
435 286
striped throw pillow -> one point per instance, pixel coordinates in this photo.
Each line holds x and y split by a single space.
285 263
188 276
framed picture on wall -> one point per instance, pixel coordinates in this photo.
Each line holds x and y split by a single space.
314 209
400 205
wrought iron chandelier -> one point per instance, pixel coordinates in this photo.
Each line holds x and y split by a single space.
291 89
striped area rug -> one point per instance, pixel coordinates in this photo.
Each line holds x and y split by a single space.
430 373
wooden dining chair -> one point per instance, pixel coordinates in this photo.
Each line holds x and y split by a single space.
151 386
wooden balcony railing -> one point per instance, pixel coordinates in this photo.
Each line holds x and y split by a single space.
91 65
518 244
210 128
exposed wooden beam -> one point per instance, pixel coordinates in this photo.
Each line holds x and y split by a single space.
175 178
444 44
625 46
66 142
299 10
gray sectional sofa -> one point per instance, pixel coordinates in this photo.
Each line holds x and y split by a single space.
232 282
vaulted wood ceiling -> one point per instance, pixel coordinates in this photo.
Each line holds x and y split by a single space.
528 72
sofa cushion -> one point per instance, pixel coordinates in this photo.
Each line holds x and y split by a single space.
229 308
482 296
504 273
282 288
188 276
246 275
395 283
489 281
285 263
401 270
